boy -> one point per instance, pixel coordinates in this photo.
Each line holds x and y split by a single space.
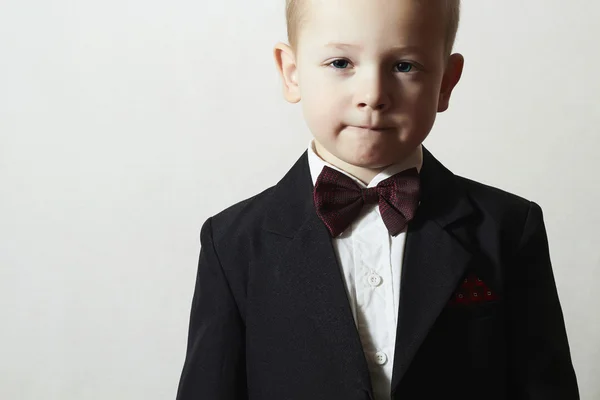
370 271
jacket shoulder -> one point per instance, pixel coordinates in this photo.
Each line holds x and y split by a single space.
492 194
507 209
244 216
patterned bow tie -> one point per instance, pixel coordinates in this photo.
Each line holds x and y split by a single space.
339 199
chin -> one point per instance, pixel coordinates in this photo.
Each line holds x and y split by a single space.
370 161
376 157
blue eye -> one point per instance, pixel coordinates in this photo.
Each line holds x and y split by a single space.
336 64
405 67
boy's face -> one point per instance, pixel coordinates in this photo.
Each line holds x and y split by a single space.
370 63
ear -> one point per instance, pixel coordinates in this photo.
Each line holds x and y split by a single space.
452 75
286 64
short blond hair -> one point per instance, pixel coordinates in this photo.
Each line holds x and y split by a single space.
294 18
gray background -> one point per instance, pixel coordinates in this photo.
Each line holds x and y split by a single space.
119 120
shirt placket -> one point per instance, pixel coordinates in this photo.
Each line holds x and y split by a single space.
374 295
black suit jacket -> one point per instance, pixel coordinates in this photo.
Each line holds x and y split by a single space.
270 318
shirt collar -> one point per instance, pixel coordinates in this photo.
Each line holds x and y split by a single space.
316 164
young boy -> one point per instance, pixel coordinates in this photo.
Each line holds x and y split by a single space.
370 271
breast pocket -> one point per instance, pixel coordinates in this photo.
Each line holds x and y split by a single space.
474 312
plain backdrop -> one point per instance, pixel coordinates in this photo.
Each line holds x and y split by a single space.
125 124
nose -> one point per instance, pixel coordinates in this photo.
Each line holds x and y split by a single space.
372 94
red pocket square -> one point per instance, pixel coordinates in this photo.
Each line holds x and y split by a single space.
472 290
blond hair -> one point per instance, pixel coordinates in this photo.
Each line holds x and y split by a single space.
294 18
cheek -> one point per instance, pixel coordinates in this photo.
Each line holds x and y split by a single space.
320 103
422 107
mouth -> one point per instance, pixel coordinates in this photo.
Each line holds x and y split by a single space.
374 128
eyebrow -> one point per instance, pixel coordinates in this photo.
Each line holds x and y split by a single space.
342 46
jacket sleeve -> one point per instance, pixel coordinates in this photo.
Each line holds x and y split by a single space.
540 361
214 367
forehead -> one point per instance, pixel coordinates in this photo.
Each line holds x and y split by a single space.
369 22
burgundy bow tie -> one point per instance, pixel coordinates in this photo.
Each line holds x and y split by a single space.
339 199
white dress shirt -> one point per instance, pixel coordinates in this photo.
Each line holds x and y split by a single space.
371 263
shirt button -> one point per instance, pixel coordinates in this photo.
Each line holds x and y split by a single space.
374 280
380 358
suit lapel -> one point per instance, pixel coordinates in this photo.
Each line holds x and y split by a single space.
310 262
434 260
